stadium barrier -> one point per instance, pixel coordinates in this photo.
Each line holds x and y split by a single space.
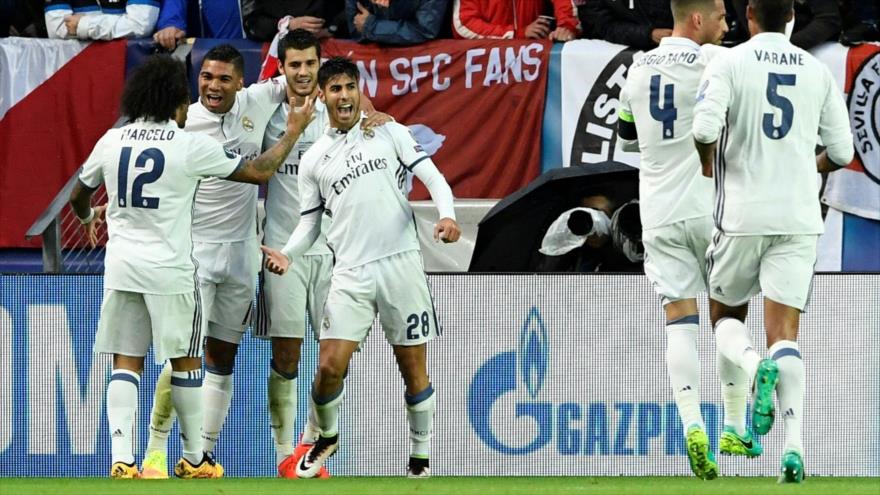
535 375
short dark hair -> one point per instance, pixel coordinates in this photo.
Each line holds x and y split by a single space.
681 8
337 66
226 53
155 89
298 39
771 15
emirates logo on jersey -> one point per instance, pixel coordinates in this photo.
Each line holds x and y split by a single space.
247 124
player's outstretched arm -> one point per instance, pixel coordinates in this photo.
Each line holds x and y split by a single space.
260 169
304 235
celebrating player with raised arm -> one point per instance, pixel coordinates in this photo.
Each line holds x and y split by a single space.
353 177
676 205
151 170
761 107
284 301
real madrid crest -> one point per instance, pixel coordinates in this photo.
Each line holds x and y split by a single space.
368 133
247 123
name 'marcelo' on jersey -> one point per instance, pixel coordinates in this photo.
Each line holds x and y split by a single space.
766 103
151 172
658 99
226 211
358 179
282 195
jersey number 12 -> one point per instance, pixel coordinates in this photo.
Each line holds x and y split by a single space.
138 200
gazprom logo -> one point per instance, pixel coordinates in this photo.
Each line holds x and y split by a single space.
503 374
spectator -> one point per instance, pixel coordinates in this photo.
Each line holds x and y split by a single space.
638 23
395 22
475 19
866 22
815 21
323 18
181 18
100 19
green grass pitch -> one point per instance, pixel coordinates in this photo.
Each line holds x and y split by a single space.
439 486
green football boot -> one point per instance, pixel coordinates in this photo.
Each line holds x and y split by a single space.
763 407
700 455
792 469
732 443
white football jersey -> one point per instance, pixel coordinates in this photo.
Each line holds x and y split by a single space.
659 97
773 100
151 172
360 179
282 196
227 211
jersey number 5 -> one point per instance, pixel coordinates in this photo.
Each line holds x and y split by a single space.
138 200
775 80
668 113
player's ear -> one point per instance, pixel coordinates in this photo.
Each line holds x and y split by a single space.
321 95
790 16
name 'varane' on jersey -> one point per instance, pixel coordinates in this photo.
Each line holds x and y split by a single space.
359 180
765 175
282 197
226 211
659 96
151 172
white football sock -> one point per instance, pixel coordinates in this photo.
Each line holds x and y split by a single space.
734 393
420 415
790 390
327 412
282 410
683 366
163 413
186 388
311 432
734 342
122 399
216 397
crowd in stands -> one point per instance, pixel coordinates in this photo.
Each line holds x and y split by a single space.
637 23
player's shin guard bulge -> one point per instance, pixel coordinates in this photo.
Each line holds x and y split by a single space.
420 415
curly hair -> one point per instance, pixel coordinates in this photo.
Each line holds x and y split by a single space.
155 89
298 39
337 66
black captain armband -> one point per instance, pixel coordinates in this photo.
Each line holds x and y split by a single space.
627 130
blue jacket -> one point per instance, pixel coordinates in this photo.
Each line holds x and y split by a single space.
403 22
203 18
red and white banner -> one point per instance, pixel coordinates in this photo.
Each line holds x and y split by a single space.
55 103
481 103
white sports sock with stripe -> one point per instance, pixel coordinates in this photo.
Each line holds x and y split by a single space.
683 367
163 414
216 398
790 391
186 388
282 390
122 399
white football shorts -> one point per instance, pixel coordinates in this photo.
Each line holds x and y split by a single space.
131 321
228 277
396 288
675 258
780 266
284 301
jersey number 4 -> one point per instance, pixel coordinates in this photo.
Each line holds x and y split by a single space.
775 80
138 200
667 113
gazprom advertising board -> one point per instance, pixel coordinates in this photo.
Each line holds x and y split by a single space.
535 375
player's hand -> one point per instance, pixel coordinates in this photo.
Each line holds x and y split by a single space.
276 261
72 21
447 230
538 29
307 22
375 119
169 37
361 18
659 34
91 228
299 118
561 34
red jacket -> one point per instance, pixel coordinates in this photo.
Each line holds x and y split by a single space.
507 18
